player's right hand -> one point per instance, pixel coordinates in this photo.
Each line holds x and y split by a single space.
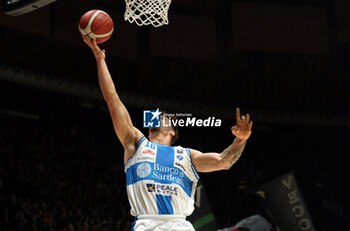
91 42
243 127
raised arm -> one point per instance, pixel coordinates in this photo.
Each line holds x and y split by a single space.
126 132
209 162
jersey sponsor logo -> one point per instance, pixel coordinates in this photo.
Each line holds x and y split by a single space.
168 174
151 187
163 189
145 158
166 169
144 170
148 151
180 165
180 150
179 157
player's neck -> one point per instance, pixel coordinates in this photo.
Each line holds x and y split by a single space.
161 141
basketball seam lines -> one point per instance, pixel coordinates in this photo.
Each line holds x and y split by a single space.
100 26
91 20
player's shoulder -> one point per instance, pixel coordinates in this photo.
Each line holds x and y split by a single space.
194 153
189 151
193 150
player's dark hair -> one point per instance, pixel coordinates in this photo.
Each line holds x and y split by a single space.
175 128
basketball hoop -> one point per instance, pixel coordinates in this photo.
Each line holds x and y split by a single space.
146 12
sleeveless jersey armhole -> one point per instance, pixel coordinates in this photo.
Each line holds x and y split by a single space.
192 166
137 147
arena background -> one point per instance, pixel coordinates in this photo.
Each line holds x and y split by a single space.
284 62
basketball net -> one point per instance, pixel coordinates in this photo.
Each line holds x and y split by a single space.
146 12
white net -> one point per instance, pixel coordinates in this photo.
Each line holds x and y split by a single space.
146 12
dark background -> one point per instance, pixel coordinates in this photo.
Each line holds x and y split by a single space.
284 62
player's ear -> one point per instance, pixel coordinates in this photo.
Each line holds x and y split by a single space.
172 132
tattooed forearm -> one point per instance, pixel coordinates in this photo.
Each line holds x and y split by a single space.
231 154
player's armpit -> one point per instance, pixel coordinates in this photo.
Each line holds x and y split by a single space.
130 148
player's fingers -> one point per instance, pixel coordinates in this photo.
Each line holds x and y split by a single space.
93 41
250 124
243 117
247 117
233 128
238 114
87 40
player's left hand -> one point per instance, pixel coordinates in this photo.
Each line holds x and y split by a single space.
243 127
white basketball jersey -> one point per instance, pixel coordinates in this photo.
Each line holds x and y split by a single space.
160 179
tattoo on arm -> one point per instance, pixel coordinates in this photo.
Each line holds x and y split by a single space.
231 154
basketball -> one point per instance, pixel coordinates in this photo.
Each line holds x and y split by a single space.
96 24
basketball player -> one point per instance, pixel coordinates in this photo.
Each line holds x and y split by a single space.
161 179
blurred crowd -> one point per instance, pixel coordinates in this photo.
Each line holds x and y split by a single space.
60 180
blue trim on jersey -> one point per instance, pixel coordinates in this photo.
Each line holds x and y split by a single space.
195 171
164 204
133 224
192 166
140 141
188 153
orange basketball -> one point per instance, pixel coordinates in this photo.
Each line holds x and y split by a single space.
96 24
